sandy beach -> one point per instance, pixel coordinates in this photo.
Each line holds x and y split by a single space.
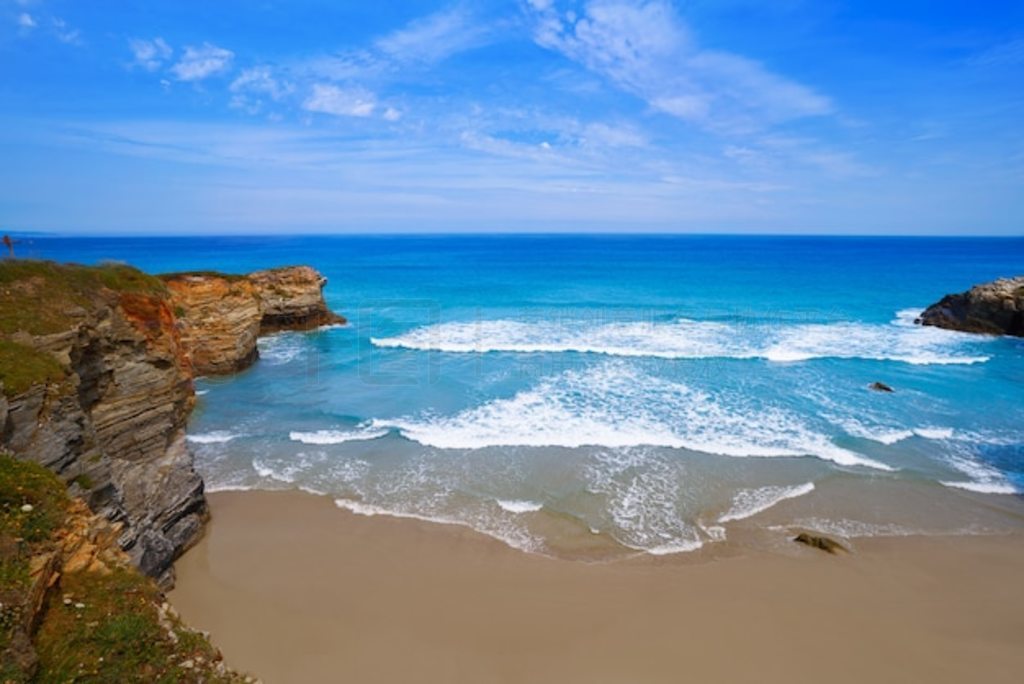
295 590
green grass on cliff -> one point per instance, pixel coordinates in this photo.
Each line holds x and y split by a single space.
110 628
44 297
21 367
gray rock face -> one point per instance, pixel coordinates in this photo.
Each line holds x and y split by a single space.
114 427
995 308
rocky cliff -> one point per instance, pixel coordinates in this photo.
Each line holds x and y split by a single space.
221 315
72 606
995 308
96 370
97 387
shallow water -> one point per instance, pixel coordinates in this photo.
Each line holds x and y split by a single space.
592 396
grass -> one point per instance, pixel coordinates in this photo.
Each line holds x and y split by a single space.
24 483
22 366
118 634
40 297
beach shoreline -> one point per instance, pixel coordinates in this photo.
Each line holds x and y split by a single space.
294 589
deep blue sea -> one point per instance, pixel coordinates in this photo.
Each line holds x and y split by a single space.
594 396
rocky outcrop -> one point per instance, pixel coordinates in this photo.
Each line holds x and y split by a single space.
995 308
820 542
291 298
111 422
222 315
219 317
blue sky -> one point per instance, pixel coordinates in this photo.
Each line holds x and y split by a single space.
792 116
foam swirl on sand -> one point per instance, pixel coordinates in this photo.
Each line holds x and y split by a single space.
689 339
615 405
749 502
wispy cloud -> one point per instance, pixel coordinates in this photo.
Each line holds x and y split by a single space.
256 85
26 21
330 99
150 54
434 38
646 49
65 33
1006 54
204 61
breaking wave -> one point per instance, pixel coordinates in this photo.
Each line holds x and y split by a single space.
614 405
689 339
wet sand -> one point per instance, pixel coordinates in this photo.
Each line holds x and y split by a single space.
295 590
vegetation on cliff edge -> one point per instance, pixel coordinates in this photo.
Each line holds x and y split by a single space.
109 626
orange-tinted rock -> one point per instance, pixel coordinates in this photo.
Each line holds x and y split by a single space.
292 299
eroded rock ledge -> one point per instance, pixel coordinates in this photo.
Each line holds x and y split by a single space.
96 381
996 308
221 315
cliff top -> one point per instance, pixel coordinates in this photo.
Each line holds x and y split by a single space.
43 297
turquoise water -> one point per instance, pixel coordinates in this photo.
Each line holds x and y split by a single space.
594 396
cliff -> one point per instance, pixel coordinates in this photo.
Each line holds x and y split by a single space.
222 315
995 308
96 370
97 387
72 606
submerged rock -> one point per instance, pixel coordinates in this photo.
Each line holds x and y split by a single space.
822 542
880 387
996 308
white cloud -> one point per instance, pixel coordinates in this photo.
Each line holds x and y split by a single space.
392 114
150 54
254 85
65 33
644 48
330 99
433 38
26 21
202 62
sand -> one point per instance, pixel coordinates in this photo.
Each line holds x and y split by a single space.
295 590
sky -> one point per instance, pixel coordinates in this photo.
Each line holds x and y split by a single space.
705 116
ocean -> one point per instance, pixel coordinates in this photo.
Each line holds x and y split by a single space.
601 396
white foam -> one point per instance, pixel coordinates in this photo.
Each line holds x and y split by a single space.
889 435
934 433
202 393
641 492
518 506
984 487
614 405
688 339
749 502
281 348
323 437
985 479
511 537
215 437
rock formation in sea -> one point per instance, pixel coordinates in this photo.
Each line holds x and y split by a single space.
222 315
96 382
996 308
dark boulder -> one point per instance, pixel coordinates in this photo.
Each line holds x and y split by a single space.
995 308
822 542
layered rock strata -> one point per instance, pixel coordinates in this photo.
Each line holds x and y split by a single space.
222 315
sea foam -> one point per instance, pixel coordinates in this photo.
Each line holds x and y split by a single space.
689 339
749 502
215 437
615 405
324 437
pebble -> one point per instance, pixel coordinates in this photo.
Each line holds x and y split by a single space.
188 664
67 601
79 606
27 508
